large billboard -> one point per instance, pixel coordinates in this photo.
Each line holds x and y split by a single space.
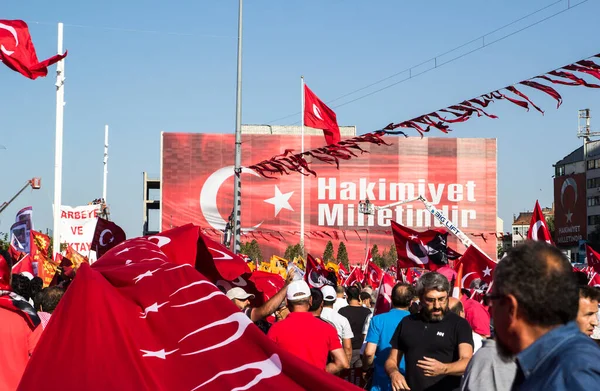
457 175
570 215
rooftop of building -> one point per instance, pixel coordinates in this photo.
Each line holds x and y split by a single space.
573 157
524 218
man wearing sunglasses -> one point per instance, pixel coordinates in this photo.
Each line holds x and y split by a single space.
436 343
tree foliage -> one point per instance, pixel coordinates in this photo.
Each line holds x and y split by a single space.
328 254
342 255
252 249
293 251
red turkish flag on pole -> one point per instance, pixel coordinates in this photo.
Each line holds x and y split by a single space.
161 325
18 53
426 249
315 275
343 273
24 266
373 275
593 258
384 295
368 258
456 292
356 275
106 236
475 264
538 229
317 115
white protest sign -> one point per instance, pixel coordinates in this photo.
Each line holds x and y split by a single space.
78 225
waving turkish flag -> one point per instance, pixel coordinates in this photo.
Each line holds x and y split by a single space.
160 325
317 115
24 265
373 275
17 51
475 265
384 295
538 229
426 249
356 275
106 236
342 272
368 258
593 258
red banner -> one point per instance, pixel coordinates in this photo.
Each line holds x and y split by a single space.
457 175
571 209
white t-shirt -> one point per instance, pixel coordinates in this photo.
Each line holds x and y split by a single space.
342 326
340 302
477 342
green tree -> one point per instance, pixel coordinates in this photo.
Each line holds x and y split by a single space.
551 226
377 258
252 249
4 241
294 251
390 257
500 250
328 254
342 255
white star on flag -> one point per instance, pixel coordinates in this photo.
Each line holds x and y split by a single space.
151 308
281 201
569 216
413 237
487 271
146 274
160 353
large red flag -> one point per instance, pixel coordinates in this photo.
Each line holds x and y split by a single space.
24 265
384 295
106 236
356 275
593 258
373 275
17 51
475 265
426 249
317 115
159 325
538 229
267 284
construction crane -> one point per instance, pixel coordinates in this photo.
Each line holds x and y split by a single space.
35 183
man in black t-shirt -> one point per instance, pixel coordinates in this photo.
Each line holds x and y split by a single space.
436 343
356 315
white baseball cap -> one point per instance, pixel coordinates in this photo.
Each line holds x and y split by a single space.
298 290
328 293
239 293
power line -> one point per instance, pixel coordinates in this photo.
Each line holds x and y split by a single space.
437 64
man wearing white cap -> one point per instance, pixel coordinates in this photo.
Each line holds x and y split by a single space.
341 323
241 299
292 335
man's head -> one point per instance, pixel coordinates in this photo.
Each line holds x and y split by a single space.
402 295
340 291
587 315
298 296
534 291
456 306
50 298
240 297
317 301
329 296
366 300
433 290
353 295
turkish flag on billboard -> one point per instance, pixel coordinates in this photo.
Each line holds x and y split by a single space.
17 51
160 325
373 275
538 228
593 258
317 115
384 295
106 236
316 275
427 249
475 265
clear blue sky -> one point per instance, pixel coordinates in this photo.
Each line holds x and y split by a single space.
141 83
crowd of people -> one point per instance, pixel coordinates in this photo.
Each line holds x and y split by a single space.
532 332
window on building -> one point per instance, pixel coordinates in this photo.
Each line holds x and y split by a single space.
560 170
593 219
593 164
593 183
594 201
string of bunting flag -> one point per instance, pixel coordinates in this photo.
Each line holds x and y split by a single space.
332 234
569 75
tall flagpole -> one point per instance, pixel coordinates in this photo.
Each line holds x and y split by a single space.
302 176
60 106
237 190
105 163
